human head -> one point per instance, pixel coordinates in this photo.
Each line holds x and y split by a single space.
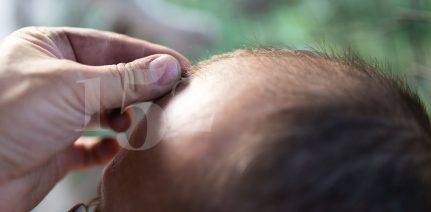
289 131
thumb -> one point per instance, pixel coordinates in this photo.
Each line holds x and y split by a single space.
114 86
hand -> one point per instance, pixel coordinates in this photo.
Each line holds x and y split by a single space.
46 97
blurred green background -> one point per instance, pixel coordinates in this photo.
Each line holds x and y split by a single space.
394 33
394 30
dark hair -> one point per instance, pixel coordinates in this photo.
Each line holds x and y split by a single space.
360 144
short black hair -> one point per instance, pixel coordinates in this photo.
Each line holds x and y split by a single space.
360 144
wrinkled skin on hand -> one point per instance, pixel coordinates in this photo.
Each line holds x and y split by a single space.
44 103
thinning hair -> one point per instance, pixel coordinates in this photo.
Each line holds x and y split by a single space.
355 140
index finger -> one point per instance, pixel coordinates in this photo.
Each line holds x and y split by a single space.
94 47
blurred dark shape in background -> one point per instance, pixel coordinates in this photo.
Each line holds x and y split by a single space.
178 27
181 28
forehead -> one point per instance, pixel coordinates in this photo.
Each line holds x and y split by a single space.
240 75
215 89
209 115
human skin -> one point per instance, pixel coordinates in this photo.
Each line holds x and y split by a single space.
288 128
178 171
43 106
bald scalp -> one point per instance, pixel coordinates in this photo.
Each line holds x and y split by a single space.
342 136
297 75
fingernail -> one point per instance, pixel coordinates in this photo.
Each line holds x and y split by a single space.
165 70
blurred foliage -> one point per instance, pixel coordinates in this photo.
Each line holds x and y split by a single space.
393 32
